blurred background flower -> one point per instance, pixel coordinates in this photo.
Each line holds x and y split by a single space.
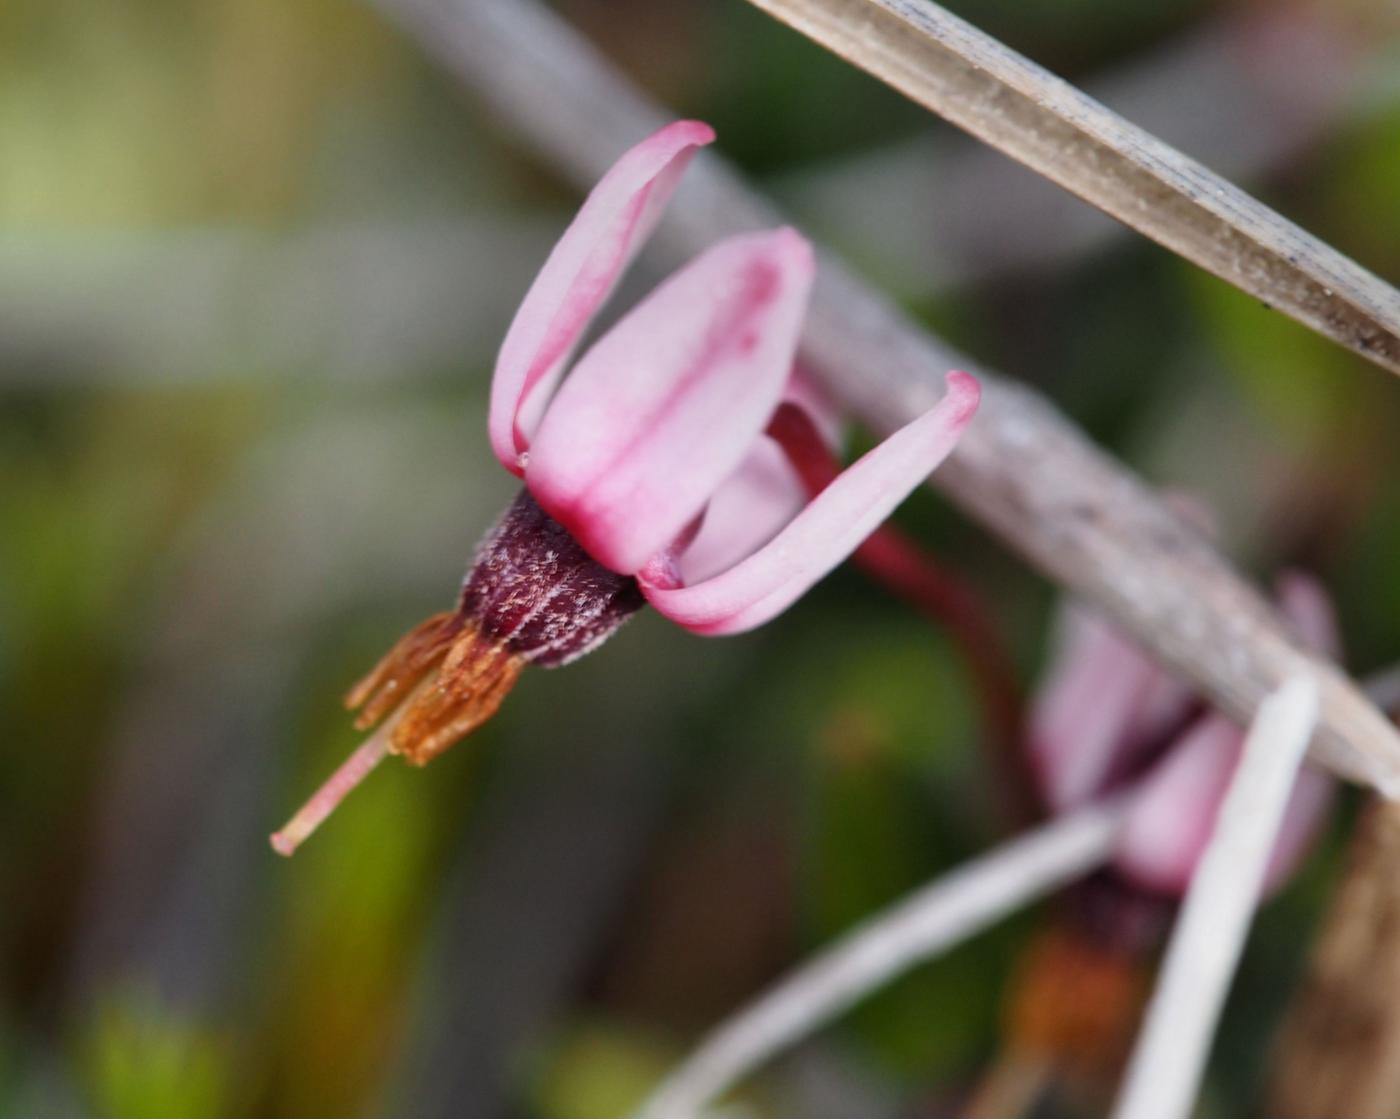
255 261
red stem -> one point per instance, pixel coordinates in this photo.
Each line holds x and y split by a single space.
896 560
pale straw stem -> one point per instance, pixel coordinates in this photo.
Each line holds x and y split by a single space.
1164 1075
922 926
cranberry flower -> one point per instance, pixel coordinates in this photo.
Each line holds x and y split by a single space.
1108 715
660 471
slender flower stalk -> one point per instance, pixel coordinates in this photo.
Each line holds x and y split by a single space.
900 564
650 472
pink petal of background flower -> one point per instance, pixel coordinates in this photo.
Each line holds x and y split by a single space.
1103 697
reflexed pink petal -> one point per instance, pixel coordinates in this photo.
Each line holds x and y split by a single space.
828 529
1170 822
748 510
576 280
668 403
1087 712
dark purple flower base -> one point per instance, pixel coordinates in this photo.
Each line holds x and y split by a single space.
533 589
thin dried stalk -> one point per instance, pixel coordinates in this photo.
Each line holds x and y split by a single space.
1339 1051
920 927
937 212
1165 1072
1021 468
948 66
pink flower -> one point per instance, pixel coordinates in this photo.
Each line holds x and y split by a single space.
1110 716
651 473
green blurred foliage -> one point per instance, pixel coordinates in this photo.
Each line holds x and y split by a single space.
1363 185
598 1070
1301 385
142 1064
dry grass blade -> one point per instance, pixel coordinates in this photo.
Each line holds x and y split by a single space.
1169 1059
927 923
1339 1048
950 67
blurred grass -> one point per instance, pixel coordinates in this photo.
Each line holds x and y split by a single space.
142 1064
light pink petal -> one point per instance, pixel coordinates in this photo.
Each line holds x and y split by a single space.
576 280
828 529
1169 824
1170 821
1103 698
749 509
669 402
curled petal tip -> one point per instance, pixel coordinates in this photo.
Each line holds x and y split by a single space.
964 393
695 132
614 221
795 248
